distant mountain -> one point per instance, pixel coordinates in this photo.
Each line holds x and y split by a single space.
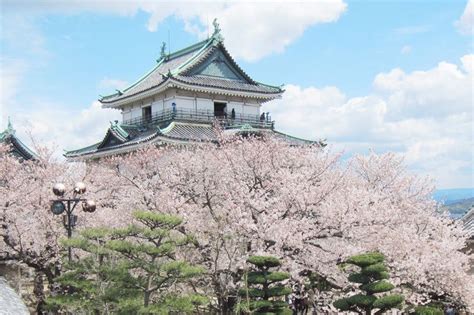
448 196
456 201
458 208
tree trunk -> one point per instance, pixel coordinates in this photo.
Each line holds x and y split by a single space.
38 291
223 304
146 300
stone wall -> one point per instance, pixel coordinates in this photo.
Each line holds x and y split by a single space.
20 280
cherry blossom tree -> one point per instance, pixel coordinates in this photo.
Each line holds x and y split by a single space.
253 196
303 204
29 232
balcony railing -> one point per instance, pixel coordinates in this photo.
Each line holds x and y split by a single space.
203 116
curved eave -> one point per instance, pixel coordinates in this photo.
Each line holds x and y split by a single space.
297 139
110 96
21 149
78 152
171 82
126 148
224 91
200 47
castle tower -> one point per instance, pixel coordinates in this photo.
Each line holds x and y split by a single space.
180 99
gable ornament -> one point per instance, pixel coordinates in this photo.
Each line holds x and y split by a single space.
217 31
163 51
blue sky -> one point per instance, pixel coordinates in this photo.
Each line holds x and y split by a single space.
381 75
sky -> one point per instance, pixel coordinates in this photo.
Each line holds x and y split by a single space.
364 75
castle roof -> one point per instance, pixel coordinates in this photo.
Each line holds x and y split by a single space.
206 66
468 222
18 148
122 138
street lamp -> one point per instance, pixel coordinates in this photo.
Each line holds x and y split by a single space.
62 204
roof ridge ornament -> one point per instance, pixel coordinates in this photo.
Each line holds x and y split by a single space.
217 36
163 51
10 128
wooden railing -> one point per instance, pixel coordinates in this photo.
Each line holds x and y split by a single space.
203 116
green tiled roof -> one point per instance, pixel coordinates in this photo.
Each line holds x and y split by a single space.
183 132
18 148
204 64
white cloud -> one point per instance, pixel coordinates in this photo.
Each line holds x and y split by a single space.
11 73
425 115
406 50
437 92
20 32
465 24
468 63
270 26
56 126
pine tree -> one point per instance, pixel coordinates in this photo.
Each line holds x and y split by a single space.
372 279
130 270
427 310
89 284
262 293
318 282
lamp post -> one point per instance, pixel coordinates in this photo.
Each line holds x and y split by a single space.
63 204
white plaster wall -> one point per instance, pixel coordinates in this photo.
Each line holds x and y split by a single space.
126 115
237 106
251 109
136 111
168 102
205 104
156 106
184 102
190 100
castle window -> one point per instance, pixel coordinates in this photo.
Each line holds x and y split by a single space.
146 114
220 109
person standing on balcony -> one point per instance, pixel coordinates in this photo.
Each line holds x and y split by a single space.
262 117
232 114
173 105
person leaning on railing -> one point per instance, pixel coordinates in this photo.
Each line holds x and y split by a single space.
173 105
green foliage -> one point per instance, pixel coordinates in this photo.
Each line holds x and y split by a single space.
131 270
358 278
342 304
361 300
318 282
371 277
264 261
175 304
388 301
251 292
367 259
375 269
278 290
261 277
262 288
377 287
427 310
156 219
